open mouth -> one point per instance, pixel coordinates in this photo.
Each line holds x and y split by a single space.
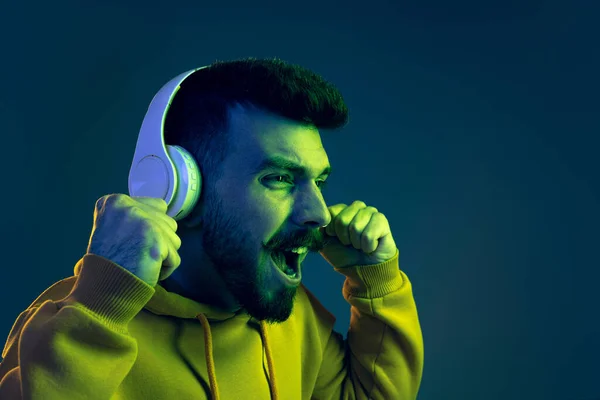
287 261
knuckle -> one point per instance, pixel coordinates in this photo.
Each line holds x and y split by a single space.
156 251
100 202
116 197
133 211
172 222
177 242
158 245
157 202
164 247
113 200
359 203
344 220
367 237
379 216
162 202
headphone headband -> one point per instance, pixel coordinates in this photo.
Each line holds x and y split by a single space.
153 172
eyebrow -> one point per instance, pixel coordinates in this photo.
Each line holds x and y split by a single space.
278 162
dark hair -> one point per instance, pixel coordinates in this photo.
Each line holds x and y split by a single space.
199 115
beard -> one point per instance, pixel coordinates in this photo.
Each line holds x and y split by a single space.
245 270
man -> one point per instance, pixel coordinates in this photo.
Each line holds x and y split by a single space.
217 310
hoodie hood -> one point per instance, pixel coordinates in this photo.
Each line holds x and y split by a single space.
172 304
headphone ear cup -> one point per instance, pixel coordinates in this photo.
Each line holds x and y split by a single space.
188 185
163 171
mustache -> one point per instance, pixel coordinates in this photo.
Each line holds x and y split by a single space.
313 240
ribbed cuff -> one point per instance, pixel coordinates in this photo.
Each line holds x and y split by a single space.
109 291
372 281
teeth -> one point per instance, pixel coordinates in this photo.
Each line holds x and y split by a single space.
299 250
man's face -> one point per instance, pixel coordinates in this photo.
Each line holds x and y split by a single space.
255 211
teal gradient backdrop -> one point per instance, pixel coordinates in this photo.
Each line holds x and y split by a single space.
474 128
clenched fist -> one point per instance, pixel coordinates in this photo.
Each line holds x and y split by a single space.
137 234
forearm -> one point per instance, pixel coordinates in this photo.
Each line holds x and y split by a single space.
78 347
382 357
386 344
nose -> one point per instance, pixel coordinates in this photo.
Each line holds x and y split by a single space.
311 210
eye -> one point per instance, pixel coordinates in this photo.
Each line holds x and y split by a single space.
321 184
279 179
286 179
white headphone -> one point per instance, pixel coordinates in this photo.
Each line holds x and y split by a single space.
167 172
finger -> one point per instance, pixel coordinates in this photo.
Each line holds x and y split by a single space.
167 241
333 211
165 272
358 225
158 209
167 269
154 202
173 260
343 220
173 242
377 228
113 199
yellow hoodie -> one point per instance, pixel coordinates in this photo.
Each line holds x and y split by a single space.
105 334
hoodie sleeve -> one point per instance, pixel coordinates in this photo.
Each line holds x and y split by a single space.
77 347
382 358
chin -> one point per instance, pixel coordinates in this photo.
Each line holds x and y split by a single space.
273 306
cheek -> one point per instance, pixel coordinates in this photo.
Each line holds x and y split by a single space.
266 210
266 205
269 215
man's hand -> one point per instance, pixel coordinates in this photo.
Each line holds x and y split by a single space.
360 235
137 234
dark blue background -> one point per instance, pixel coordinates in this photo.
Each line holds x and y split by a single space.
473 128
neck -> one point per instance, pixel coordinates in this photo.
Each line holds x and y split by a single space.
196 278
